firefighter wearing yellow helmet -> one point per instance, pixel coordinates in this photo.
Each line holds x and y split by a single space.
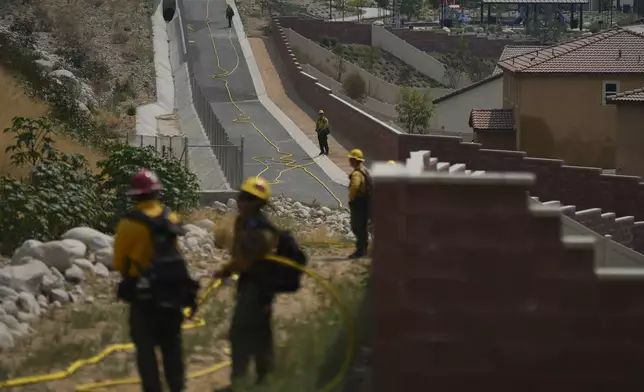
251 334
323 131
360 186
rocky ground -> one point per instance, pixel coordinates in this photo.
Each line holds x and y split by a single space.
57 298
386 66
103 46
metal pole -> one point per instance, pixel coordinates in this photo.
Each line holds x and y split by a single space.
241 159
185 150
330 10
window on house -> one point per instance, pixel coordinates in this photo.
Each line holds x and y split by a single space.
610 88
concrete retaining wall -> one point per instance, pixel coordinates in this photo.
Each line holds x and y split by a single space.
416 58
327 62
381 110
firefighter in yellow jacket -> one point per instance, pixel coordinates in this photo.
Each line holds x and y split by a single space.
250 331
359 202
323 131
151 325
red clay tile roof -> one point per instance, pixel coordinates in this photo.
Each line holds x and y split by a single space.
636 95
492 119
515 50
616 51
535 1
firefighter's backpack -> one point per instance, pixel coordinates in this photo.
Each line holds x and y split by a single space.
283 278
166 282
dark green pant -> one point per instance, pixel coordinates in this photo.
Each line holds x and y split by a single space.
152 327
360 224
251 335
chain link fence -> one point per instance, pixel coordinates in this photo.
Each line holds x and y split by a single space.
229 155
193 153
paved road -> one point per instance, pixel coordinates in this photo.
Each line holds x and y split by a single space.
294 183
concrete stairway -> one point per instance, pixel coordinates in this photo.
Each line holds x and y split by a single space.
612 234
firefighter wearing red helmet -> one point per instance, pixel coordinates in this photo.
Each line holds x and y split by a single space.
155 283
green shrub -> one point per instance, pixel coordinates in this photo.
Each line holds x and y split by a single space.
61 192
181 186
309 361
131 110
355 86
329 42
594 27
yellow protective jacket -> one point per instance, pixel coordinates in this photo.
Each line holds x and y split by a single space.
321 123
358 182
132 240
250 244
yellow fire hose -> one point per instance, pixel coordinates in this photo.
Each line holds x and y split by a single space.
198 323
286 158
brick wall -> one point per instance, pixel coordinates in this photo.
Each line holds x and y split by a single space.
316 29
583 187
473 291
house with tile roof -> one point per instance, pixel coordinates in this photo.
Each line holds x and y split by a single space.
629 126
451 111
559 95
494 128
514 50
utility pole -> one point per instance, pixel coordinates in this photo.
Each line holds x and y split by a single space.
330 10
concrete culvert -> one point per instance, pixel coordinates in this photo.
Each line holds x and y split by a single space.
169 9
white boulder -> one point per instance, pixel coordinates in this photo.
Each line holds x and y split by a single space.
60 296
101 270
10 308
61 254
105 256
25 277
74 274
29 248
27 303
84 264
93 239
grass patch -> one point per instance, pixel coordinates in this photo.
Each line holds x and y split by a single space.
16 103
63 337
312 347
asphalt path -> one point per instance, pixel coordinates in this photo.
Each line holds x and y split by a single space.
296 183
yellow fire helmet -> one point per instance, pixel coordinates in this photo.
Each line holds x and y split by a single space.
321 111
391 162
356 154
257 187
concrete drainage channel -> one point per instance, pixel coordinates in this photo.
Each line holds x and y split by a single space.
172 122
